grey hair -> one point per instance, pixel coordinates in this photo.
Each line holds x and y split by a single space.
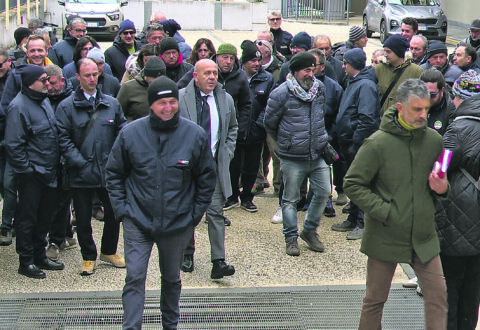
412 88
275 13
75 21
54 70
424 40
155 27
41 32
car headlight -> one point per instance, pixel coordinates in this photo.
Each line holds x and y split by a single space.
115 16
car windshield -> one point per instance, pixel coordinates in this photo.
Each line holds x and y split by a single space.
413 2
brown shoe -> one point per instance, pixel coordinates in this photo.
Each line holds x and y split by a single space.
113 259
88 266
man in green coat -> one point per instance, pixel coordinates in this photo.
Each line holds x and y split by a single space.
392 180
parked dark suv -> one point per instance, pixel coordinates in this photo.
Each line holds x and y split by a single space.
385 17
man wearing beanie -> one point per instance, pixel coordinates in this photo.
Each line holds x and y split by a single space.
358 117
460 243
88 123
62 52
282 38
294 117
123 46
392 180
174 62
205 102
160 177
395 71
133 93
474 37
34 158
300 43
437 55
357 38
244 165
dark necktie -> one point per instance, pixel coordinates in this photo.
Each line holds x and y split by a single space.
92 100
205 116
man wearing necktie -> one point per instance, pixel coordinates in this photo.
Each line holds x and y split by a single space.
206 103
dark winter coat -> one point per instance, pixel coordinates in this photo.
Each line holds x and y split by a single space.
296 125
441 115
340 48
117 55
457 218
359 113
31 137
161 178
281 41
334 94
133 98
87 155
340 75
62 52
388 179
261 85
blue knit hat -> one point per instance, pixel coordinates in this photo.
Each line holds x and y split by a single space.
302 40
126 25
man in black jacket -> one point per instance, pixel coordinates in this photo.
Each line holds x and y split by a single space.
62 52
31 142
161 178
282 38
88 123
174 62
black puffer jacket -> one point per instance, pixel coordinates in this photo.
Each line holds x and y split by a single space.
87 160
117 55
31 137
161 176
440 115
296 125
457 219
261 85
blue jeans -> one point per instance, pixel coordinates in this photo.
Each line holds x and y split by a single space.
294 172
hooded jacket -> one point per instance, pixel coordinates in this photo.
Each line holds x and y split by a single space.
457 217
117 55
388 179
161 177
87 155
62 52
359 112
450 72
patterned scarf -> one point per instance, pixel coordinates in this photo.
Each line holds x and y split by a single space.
298 91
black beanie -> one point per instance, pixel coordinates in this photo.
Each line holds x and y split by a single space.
398 44
170 26
356 58
29 73
301 61
302 40
20 34
154 67
167 44
160 88
249 51
436 47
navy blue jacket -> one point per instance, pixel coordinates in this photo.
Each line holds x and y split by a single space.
62 52
161 177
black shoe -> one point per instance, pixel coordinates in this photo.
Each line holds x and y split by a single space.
227 221
187 263
347 208
32 271
249 206
6 237
221 269
329 211
230 204
48 264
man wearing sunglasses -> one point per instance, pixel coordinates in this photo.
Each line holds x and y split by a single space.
474 37
123 46
62 52
282 38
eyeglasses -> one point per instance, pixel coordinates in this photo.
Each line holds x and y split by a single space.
129 32
80 30
44 79
434 95
275 19
1 64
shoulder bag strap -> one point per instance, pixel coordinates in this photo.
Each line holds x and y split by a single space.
392 83
88 128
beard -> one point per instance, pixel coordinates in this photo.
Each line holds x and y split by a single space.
306 83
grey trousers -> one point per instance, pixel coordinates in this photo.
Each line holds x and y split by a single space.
379 279
216 226
138 246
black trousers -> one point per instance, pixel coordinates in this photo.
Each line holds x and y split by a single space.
82 201
244 166
356 214
462 275
36 205
61 227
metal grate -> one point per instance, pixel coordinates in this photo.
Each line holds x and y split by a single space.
327 307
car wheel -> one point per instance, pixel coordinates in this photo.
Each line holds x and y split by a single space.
383 32
365 26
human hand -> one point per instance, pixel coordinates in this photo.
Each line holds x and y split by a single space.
438 184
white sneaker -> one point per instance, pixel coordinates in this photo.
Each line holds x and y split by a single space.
277 218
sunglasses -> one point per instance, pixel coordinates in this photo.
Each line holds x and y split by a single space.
275 19
129 32
434 95
1 64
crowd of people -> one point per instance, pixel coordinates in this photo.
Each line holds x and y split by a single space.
155 135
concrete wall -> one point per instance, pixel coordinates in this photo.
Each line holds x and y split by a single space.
461 13
6 37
